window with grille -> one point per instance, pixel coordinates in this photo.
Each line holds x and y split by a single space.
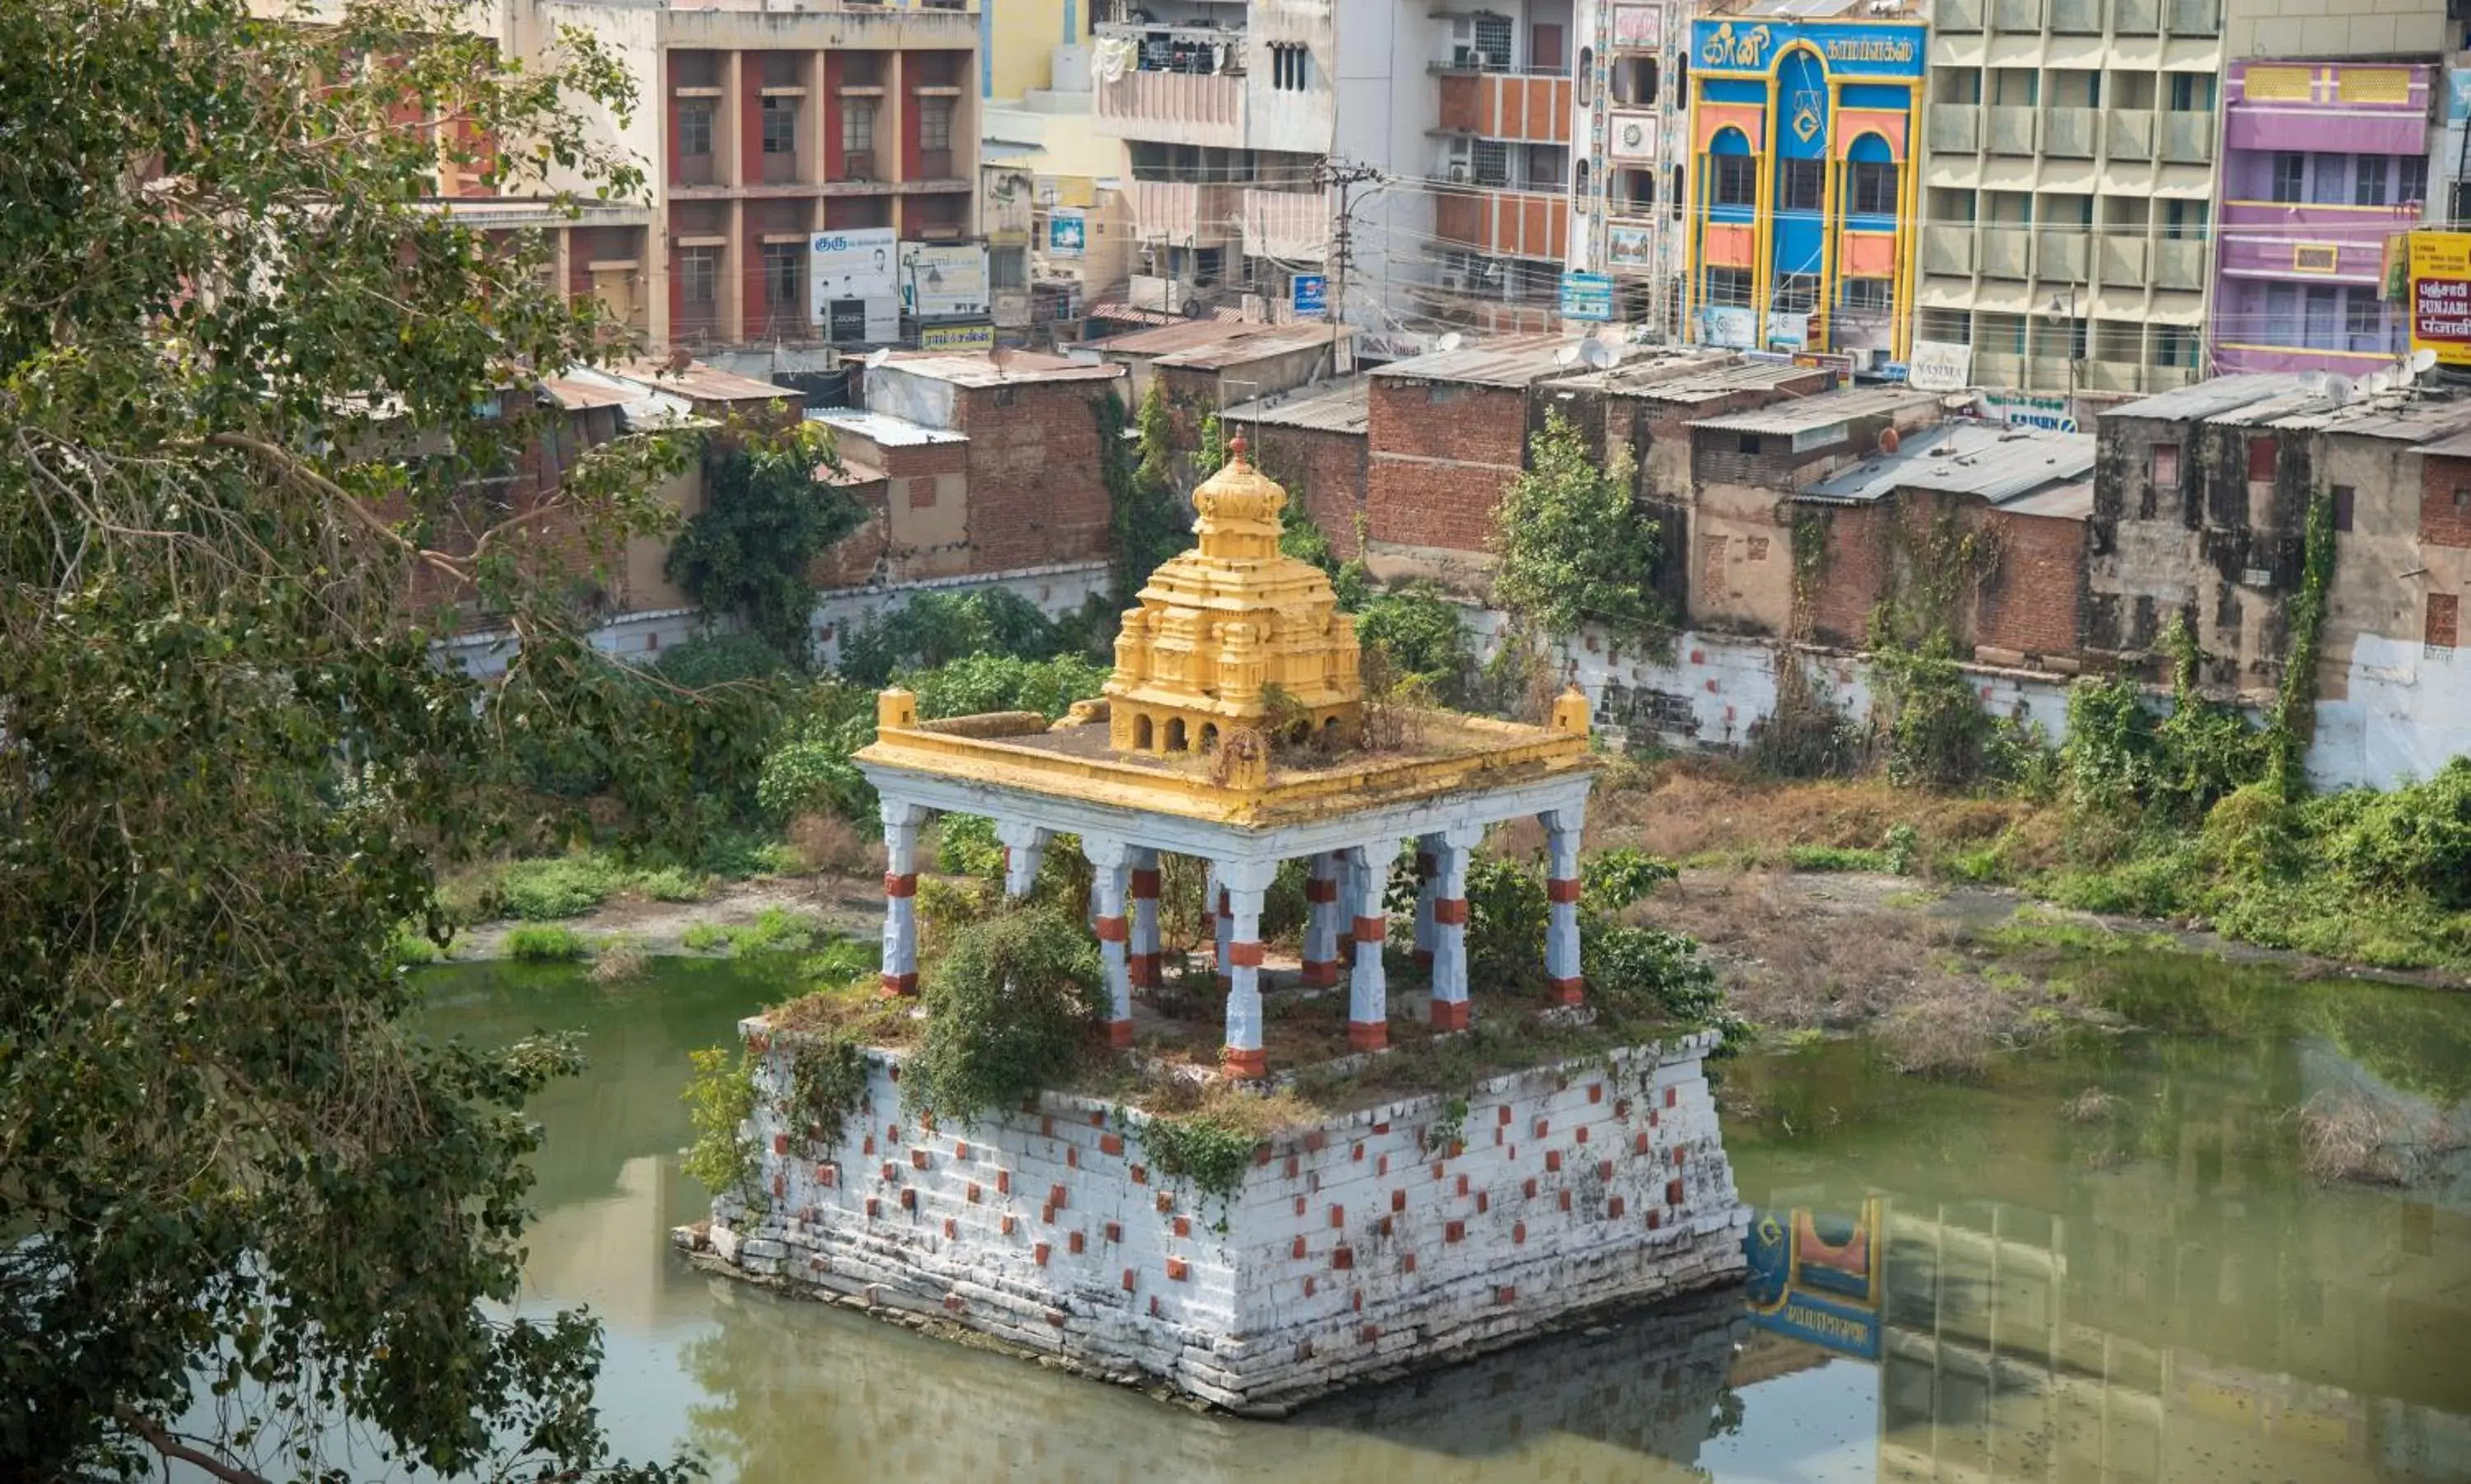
1871 188
2410 179
858 125
784 284
1493 39
1288 63
2364 321
780 125
2290 176
2368 181
1728 288
934 123
1796 293
699 275
2333 180
1866 295
1490 162
1803 180
1737 180
694 128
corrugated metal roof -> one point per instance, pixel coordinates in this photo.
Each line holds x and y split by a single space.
1018 366
2290 400
1247 339
575 396
1993 461
1803 414
1324 406
701 382
1510 361
2073 502
1279 339
1717 377
1129 314
2206 399
882 429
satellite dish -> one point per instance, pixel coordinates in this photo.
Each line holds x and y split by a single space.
1567 355
876 358
2403 372
2340 387
2378 383
1889 439
1450 341
1596 353
2423 360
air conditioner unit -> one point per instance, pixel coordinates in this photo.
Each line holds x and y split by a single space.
1465 57
1454 283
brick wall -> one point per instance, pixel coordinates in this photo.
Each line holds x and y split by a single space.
1440 456
2030 604
1036 493
1324 470
2445 501
1368 1240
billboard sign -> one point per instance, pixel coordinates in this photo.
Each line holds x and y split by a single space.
2441 295
1004 196
1940 365
1586 296
855 264
1639 26
1309 295
956 336
1629 246
944 280
1068 233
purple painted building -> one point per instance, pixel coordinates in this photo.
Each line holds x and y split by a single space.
2322 162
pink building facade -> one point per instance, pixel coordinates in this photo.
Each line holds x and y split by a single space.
2322 161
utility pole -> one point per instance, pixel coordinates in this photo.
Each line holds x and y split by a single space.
1333 173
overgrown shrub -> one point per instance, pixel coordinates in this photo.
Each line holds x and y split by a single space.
2416 837
934 628
750 553
1575 548
544 943
1927 714
1004 681
1507 918
720 1098
719 659
557 886
1011 1002
1647 972
808 769
1421 633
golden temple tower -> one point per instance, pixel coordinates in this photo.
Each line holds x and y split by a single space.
1233 636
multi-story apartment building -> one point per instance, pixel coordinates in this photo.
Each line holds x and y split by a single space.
2076 154
759 130
1632 138
1226 110
1800 213
2322 163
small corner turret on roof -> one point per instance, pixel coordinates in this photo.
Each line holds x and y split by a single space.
1232 635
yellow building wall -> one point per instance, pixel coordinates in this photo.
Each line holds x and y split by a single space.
1021 36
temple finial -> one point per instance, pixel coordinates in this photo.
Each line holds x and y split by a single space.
1236 450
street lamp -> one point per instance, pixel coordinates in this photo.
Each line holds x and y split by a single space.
2061 310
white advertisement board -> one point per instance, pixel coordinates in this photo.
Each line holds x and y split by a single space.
852 265
940 280
1939 366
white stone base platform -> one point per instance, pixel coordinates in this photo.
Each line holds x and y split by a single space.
1374 1242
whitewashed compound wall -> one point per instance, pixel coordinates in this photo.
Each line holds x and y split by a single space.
1367 1243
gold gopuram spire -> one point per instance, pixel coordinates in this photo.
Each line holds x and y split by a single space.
1232 635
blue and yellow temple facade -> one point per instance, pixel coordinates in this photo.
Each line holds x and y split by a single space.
1804 192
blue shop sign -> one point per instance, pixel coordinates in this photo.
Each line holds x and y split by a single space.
1744 45
1312 295
1586 296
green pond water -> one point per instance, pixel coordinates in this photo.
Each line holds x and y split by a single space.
1957 1282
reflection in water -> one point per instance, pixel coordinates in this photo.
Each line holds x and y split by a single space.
2148 1292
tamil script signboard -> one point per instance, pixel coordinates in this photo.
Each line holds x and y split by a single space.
1816 1275
855 266
944 280
2441 295
1586 296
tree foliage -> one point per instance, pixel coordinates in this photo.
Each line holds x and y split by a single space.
1575 547
246 382
1147 524
1011 1001
933 629
750 553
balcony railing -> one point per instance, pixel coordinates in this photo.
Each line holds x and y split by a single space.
2131 133
1174 108
2196 17
1948 250
2079 16
2188 138
2060 253
2121 261
2012 130
2179 265
2136 17
2070 132
1956 128
1504 223
1956 16
1186 215
2005 250
2017 14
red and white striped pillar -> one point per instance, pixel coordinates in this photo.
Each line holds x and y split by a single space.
1320 969
901 825
1427 874
1368 991
1109 870
1242 884
1450 851
1562 833
1142 963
